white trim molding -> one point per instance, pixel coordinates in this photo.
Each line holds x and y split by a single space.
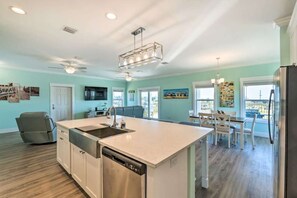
201 84
284 21
119 89
150 89
252 80
72 86
293 21
9 130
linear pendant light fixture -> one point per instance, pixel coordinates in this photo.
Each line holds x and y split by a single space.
142 55
217 80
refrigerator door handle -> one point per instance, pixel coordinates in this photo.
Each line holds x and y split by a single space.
269 115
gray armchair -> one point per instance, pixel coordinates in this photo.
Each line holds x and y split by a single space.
36 128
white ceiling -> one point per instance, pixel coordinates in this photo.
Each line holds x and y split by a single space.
193 33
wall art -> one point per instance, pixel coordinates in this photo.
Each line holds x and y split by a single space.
227 94
182 93
34 91
131 95
13 92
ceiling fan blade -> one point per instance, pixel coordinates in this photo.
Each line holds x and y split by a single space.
55 68
80 67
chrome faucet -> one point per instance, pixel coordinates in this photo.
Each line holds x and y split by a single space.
114 124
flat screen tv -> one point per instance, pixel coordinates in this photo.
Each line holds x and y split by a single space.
95 93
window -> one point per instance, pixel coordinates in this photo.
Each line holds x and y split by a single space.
204 100
255 97
149 100
256 100
118 97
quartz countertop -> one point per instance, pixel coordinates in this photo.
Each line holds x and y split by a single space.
152 142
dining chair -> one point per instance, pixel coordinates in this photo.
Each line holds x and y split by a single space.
249 131
222 126
207 120
231 113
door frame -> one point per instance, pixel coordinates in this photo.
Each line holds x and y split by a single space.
159 97
72 96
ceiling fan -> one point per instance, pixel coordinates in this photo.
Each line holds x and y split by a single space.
70 67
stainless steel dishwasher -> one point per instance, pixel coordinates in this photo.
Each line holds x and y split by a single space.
123 177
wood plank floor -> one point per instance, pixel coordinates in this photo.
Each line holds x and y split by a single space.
32 171
237 173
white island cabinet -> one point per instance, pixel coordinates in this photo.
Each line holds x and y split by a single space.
63 148
86 171
167 149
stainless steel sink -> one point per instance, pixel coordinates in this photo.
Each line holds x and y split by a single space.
88 140
107 132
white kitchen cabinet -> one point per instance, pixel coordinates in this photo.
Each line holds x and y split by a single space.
85 170
78 165
63 148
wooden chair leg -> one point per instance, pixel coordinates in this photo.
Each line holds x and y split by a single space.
234 137
216 139
229 137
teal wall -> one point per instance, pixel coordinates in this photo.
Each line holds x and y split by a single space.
177 109
284 46
9 111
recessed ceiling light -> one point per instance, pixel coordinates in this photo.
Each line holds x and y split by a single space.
111 16
17 10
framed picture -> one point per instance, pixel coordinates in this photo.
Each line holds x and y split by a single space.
4 90
182 93
34 91
13 95
24 93
131 95
227 94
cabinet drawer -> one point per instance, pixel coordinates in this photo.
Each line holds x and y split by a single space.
63 132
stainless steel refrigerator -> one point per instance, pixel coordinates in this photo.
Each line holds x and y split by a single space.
282 125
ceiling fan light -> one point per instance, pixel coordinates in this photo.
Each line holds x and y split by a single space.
128 78
70 70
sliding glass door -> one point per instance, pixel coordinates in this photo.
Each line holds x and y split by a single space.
149 100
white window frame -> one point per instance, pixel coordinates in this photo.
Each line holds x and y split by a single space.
118 89
203 84
150 89
251 81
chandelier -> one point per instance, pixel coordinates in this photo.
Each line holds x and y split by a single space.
217 80
145 54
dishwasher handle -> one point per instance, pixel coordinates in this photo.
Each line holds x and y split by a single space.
125 161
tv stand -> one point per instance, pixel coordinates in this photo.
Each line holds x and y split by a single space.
92 114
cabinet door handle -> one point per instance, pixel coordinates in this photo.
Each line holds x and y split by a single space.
61 138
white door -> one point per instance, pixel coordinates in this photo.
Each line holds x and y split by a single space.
61 103
149 100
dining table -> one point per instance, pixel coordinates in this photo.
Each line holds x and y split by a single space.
234 120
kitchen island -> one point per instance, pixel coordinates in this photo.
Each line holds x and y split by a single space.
166 148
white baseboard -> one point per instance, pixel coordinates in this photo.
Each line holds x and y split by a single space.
261 134
9 130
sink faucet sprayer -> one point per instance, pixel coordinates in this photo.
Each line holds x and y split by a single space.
114 124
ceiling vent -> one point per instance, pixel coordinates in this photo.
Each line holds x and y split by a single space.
69 30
